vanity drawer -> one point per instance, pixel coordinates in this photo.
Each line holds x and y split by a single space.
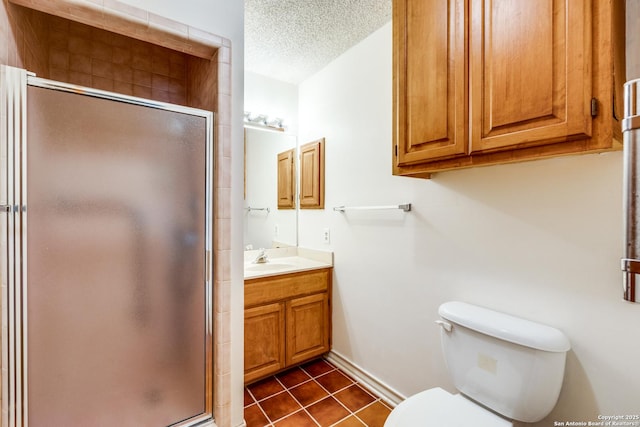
265 290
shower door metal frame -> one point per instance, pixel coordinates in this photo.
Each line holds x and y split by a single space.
13 236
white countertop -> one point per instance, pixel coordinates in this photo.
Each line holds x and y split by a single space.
284 261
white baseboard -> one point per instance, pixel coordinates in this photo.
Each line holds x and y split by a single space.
385 392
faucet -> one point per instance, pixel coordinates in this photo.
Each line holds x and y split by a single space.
261 258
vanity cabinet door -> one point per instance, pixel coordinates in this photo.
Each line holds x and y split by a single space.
308 327
264 340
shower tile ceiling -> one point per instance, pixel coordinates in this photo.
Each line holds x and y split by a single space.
289 40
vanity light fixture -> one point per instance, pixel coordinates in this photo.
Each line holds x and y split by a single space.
262 121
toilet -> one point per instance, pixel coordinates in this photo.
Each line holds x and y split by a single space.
505 367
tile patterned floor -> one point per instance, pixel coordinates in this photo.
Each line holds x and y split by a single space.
312 395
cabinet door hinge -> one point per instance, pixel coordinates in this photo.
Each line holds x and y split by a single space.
396 151
594 107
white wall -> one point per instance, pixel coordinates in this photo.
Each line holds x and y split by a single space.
541 239
224 18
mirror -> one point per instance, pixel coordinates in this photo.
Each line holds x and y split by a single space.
265 224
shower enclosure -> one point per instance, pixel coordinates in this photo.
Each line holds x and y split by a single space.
105 258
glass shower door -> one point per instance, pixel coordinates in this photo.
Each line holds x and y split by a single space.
116 225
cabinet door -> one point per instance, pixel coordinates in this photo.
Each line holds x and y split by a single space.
308 327
430 80
312 175
286 179
530 66
264 342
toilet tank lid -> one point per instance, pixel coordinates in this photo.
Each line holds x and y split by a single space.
505 327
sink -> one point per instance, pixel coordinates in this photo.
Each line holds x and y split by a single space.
277 265
269 266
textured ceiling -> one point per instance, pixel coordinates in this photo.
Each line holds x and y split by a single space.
290 40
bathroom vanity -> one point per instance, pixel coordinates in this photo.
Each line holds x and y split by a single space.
287 313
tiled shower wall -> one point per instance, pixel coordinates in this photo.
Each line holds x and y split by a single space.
21 34
71 52
93 57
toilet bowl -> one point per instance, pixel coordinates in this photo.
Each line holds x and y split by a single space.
506 368
437 408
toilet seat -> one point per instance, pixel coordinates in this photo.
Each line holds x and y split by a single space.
438 408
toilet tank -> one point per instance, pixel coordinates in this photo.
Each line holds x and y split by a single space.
510 365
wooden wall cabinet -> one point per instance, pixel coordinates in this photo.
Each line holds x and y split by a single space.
480 82
312 175
286 179
287 321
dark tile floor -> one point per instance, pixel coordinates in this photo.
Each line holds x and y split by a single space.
312 395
